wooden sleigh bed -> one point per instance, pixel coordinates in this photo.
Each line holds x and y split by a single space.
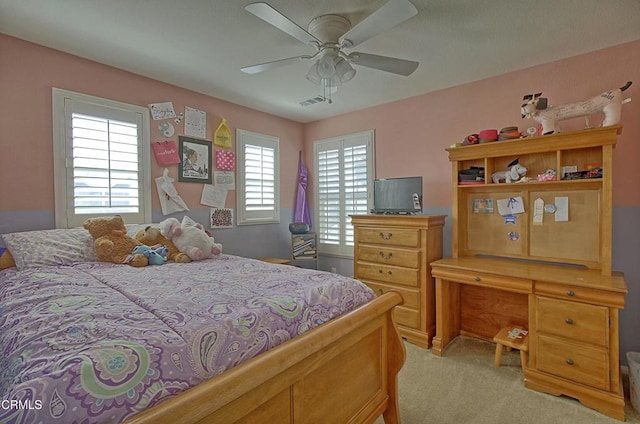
344 371
226 340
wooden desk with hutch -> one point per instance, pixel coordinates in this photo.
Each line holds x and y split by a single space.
554 278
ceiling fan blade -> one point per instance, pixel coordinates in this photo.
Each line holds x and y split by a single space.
384 63
389 15
272 65
278 20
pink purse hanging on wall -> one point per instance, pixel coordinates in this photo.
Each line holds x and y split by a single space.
225 161
166 152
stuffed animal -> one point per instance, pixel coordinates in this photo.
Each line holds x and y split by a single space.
112 242
6 259
515 172
156 255
152 236
610 103
190 237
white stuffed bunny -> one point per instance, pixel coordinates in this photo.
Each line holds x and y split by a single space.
190 238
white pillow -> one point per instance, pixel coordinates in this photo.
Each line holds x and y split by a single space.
32 249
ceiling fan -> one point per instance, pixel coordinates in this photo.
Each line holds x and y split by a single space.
330 35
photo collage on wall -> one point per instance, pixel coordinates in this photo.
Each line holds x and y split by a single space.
198 160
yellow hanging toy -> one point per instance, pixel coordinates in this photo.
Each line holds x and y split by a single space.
222 136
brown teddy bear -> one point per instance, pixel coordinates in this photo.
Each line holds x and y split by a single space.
112 242
152 236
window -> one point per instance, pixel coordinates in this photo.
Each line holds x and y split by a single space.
258 178
343 186
101 159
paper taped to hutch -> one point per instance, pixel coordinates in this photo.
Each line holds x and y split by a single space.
509 206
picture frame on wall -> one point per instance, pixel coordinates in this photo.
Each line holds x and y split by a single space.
221 217
196 160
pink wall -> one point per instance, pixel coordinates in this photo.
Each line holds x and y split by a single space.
29 71
411 134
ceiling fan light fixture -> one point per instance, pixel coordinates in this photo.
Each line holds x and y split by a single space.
313 74
326 66
344 70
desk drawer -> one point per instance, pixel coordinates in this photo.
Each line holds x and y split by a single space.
581 294
574 320
389 236
410 297
390 256
574 361
387 274
517 285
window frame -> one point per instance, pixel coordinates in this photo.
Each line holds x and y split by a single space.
65 217
244 217
342 249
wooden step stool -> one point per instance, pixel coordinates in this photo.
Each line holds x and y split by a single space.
511 337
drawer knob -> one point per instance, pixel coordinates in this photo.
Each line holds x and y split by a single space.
569 361
387 256
385 236
477 278
570 293
568 321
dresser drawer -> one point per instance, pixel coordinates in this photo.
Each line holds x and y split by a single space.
574 320
388 274
407 317
410 297
389 236
574 361
390 256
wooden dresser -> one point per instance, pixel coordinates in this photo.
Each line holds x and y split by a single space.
538 268
393 252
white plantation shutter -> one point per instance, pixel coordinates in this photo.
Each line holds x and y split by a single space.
101 151
328 195
105 165
356 183
343 186
258 179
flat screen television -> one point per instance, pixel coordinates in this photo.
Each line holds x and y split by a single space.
397 195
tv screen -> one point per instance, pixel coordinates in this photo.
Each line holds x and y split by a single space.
397 195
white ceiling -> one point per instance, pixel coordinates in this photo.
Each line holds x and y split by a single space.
202 44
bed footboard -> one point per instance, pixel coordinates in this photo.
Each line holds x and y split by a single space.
344 371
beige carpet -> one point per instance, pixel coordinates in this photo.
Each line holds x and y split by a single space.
464 387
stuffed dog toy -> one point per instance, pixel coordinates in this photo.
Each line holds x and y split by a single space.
609 102
515 172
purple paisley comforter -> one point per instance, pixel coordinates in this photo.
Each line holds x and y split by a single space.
97 342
